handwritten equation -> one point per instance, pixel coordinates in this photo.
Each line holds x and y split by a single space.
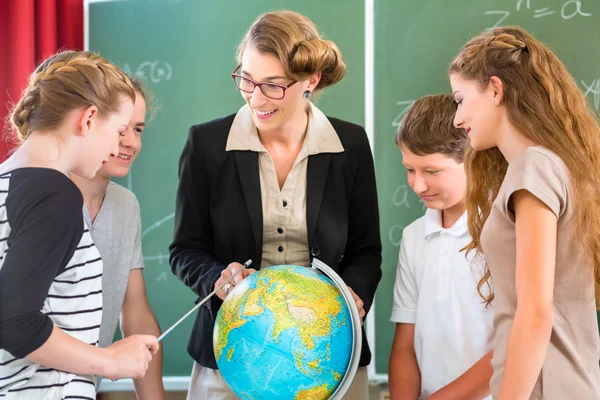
592 91
160 258
157 224
155 71
405 105
400 199
570 9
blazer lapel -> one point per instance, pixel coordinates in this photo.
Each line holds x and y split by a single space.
247 165
318 167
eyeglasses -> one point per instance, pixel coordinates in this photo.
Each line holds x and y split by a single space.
271 90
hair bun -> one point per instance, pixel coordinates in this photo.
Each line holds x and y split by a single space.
311 56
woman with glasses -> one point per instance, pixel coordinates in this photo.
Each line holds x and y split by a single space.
277 182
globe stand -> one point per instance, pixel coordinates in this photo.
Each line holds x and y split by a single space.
356 327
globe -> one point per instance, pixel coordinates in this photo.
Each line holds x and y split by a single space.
288 332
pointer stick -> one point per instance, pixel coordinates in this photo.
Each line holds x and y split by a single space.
161 337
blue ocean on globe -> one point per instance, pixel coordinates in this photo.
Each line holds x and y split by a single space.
285 332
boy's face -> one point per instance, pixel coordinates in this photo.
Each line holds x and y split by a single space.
437 178
130 143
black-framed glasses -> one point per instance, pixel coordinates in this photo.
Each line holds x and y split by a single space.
271 90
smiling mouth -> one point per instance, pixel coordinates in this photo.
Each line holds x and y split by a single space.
265 113
124 157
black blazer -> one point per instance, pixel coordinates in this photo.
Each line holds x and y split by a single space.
218 218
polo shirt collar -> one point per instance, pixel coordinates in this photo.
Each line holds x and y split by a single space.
433 224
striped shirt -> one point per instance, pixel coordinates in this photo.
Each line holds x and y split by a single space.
50 275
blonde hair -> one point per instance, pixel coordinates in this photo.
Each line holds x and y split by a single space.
65 82
544 102
295 41
152 104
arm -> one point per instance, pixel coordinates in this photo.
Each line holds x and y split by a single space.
536 230
47 225
191 252
125 359
137 317
474 384
361 264
403 369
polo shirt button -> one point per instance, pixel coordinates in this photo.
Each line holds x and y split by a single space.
285 203
280 249
279 230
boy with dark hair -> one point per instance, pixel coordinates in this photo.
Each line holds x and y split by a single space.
443 340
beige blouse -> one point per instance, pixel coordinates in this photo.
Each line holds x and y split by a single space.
285 236
571 369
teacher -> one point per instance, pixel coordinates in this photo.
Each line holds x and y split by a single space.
277 182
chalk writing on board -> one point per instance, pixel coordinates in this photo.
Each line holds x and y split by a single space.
395 234
161 277
400 196
155 71
157 224
160 257
569 9
575 7
520 2
539 13
593 89
130 180
406 104
399 199
543 12
504 15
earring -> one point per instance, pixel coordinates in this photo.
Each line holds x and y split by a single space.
306 94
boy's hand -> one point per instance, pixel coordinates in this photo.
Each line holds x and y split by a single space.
359 305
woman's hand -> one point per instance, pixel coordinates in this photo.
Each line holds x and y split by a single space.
359 305
226 273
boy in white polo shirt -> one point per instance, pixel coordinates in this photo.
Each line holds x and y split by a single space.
443 340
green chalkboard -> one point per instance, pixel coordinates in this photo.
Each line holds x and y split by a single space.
185 50
414 43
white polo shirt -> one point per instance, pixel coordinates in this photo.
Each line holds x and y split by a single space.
436 289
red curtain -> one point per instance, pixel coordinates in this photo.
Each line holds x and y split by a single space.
31 30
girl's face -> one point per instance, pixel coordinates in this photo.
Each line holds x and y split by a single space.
130 142
101 140
479 112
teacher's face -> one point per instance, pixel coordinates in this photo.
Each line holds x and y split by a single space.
269 113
